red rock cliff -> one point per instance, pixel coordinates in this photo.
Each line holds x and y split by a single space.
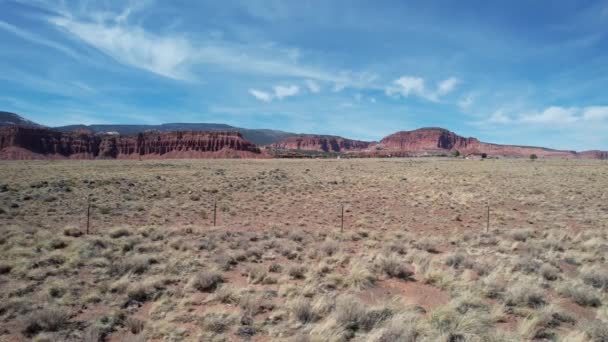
322 143
441 141
35 143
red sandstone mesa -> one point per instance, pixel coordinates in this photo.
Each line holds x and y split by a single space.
39 143
321 143
434 141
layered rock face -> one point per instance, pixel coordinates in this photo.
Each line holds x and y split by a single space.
429 141
321 143
33 143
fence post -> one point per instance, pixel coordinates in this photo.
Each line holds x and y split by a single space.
488 219
88 212
214 210
342 220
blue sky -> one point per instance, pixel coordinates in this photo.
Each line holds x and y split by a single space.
517 72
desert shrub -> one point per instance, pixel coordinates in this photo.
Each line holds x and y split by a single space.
427 244
105 210
401 327
457 261
330 247
521 234
51 260
57 244
138 293
525 295
541 325
137 264
207 281
456 326
549 272
225 262
207 244
597 278
226 295
302 311
134 325
217 322
254 254
275 268
256 275
468 303
253 303
269 280
352 315
580 295
527 265
296 236
297 272
119 232
597 330
56 291
289 253
360 277
398 248
393 266
5 268
47 319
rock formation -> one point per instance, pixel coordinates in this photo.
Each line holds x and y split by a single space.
321 143
437 141
40 143
18 142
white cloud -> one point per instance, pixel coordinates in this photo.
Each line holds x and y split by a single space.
552 115
281 92
595 113
261 95
555 116
407 85
499 117
412 85
447 86
313 86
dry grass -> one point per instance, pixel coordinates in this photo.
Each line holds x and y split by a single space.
414 262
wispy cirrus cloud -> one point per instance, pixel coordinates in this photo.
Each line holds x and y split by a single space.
180 57
165 56
37 39
412 85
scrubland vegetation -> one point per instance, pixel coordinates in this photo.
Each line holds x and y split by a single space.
414 262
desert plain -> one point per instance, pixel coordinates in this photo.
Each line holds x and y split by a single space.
418 249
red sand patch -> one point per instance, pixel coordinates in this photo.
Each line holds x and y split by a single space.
414 292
